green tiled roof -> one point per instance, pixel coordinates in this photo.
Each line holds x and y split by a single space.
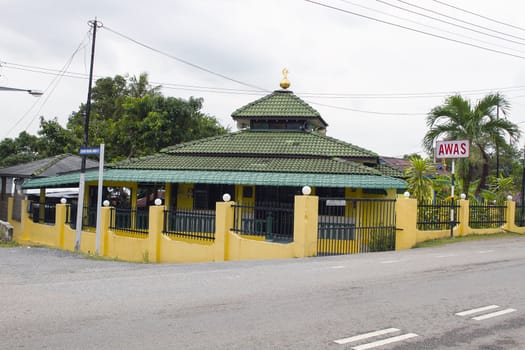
224 177
272 143
236 163
388 170
278 104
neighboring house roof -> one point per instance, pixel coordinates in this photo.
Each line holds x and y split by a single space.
63 163
273 143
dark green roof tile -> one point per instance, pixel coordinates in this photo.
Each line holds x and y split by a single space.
278 104
272 143
257 164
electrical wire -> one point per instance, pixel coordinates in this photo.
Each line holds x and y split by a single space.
49 89
447 22
335 8
429 26
479 15
459 20
178 59
305 94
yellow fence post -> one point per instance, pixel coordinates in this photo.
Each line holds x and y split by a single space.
464 215
223 225
406 223
24 218
510 215
156 222
305 225
105 216
60 221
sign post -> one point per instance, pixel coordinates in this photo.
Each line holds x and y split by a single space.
452 149
81 190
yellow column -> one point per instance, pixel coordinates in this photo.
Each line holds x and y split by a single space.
305 226
156 222
24 218
406 223
223 224
60 222
105 216
464 214
42 206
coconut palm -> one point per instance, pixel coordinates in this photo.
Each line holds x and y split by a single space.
418 177
458 119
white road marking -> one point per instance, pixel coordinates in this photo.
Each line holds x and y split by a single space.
478 310
385 341
337 267
390 261
494 314
485 251
366 336
445 256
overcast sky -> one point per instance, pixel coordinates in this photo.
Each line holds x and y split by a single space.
372 82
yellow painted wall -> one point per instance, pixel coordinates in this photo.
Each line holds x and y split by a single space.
185 196
156 247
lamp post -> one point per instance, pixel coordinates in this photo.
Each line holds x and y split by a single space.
35 93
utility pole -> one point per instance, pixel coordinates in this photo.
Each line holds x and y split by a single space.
82 184
497 145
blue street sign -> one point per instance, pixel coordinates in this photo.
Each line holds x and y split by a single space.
89 151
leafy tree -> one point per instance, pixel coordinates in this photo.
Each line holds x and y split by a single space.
134 119
458 119
419 179
55 140
22 149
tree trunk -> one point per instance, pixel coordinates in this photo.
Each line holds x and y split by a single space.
484 171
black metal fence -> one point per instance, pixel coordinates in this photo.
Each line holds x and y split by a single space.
350 225
519 217
132 220
436 215
273 221
42 213
89 216
487 215
192 224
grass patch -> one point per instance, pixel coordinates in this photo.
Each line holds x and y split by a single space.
473 237
8 244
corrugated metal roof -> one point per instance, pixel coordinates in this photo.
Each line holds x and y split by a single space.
47 167
225 177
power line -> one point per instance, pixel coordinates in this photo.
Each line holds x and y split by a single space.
447 22
429 26
460 20
413 29
306 94
48 90
479 15
178 59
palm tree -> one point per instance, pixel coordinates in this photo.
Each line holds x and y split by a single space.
457 119
418 179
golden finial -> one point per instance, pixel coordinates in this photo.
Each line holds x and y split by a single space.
285 83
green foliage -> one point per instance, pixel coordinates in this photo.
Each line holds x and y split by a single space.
458 119
131 117
500 188
418 179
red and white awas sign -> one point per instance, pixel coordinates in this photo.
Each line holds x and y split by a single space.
453 149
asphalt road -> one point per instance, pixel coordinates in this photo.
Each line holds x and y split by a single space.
415 299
